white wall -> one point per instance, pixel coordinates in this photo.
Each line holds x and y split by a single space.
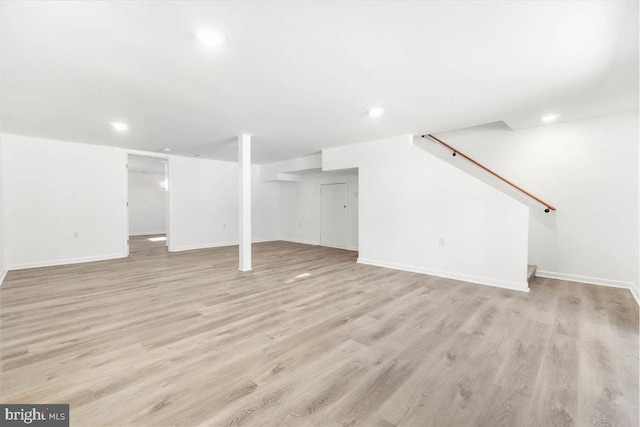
588 170
147 204
300 207
409 199
54 189
3 269
265 208
204 204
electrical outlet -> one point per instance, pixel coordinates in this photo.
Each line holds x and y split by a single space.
224 226
441 241
299 224
76 235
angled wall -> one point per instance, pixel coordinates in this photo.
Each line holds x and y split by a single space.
419 213
587 169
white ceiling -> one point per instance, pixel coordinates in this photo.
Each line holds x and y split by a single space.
300 76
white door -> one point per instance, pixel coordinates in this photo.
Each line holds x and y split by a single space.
333 215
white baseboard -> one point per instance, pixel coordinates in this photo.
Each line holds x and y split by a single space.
202 246
515 286
273 239
67 261
584 279
316 243
214 245
304 242
2 276
337 247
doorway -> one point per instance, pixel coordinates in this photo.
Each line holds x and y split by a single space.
333 215
147 203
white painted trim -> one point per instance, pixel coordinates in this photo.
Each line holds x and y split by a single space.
244 202
303 241
274 239
167 177
2 276
635 295
203 246
125 215
65 261
336 247
167 201
584 279
522 287
314 243
216 245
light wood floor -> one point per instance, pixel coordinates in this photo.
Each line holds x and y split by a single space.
312 338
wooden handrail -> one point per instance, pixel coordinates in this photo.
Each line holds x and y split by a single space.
548 206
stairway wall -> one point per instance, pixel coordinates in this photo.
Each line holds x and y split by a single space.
588 169
409 200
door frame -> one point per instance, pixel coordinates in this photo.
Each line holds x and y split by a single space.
346 184
167 159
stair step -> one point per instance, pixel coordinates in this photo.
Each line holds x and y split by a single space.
531 273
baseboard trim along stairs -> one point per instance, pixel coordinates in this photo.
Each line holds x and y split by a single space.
516 286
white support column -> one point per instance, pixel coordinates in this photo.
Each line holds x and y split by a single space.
244 163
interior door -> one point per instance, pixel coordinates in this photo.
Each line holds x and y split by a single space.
333 215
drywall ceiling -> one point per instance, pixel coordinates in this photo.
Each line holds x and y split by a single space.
300 76
145 164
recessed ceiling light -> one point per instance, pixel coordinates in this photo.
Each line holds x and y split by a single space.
209 36
119 126
375 112
166 150
549 118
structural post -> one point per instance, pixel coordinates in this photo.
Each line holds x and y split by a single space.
244 164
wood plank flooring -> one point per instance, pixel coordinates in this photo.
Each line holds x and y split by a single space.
310 338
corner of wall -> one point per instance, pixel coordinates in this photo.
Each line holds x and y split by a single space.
635 294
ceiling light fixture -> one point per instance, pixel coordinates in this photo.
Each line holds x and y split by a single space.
550 118
119 126
209 36
166 150
375 112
